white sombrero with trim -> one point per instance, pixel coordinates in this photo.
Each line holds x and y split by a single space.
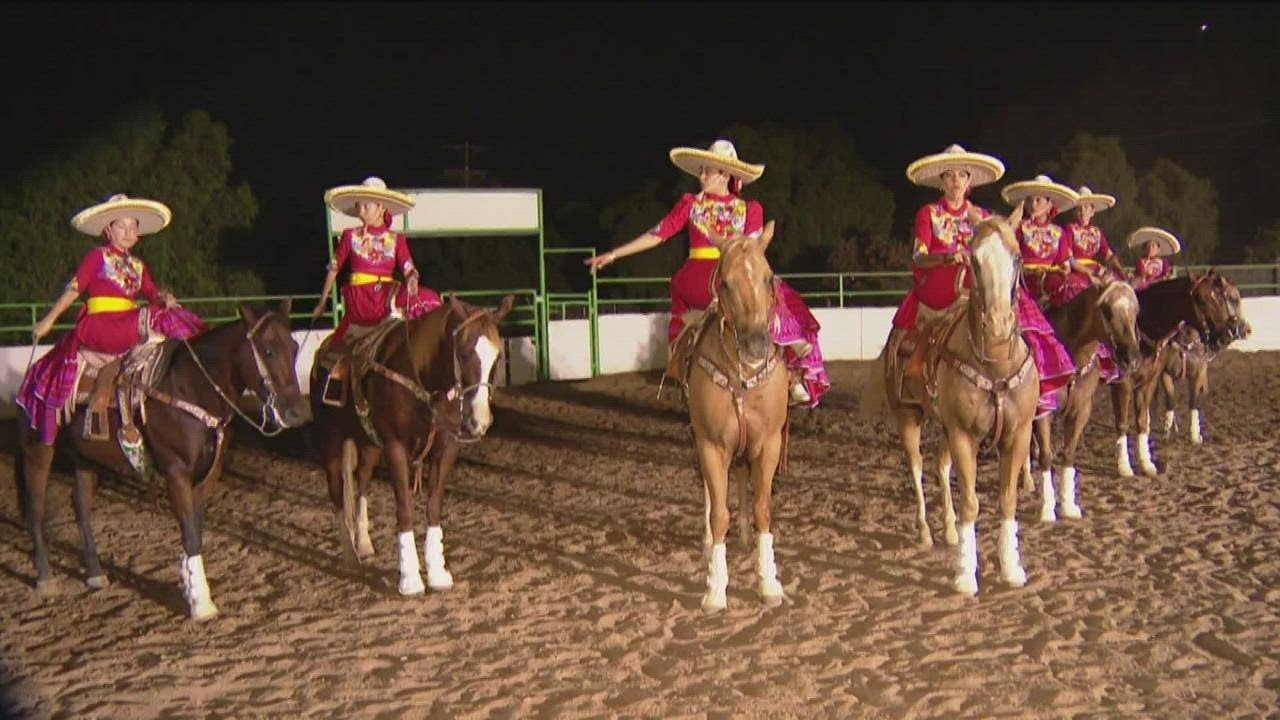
927 171
152 216
1099 201
1164 239
722 154
1062 197
346 199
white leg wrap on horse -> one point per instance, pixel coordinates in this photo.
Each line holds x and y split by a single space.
1010 561
966 581
1122 456
1196 437
1144 455
410 573
717 579
1067 499
364 545
1168 421
922 522
196 588
433 551
1047 498
770 588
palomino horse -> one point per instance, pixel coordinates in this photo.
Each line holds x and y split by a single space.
1100 313
1201 301
981 381
185 421
1187 357
428 389
738 407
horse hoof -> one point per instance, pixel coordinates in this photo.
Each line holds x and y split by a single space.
773 601
1047 515
926 539
952 538
1150 471
364 551
412 586
711 608
1016 577
204 613
1125 472
1072 512
966 585
97 582
440 582
45 587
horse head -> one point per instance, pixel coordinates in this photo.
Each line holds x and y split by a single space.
477 346
266 364
745 293
996 267
1118 305
1217 310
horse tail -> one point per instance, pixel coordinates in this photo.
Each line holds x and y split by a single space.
349 458
874 395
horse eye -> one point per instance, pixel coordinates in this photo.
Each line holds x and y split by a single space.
268 352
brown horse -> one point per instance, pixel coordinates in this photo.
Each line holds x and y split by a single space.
1100 313
981 382
1207 302
429 388
738 407
185 426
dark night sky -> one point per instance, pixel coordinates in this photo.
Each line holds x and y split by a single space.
585 100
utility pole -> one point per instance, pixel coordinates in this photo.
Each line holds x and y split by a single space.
467 173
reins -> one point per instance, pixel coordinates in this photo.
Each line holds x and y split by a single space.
268 403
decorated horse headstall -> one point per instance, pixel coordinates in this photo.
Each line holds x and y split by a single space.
269 411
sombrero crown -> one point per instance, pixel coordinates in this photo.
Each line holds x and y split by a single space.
722 154
1062 197
1168 244
1098 201
928 170
346 199
152 216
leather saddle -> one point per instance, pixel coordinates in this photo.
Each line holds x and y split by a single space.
907 362
347 363
117 383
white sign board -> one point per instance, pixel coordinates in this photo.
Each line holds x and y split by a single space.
464 212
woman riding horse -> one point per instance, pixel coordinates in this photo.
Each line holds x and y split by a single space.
1152 266
1091 261
718 210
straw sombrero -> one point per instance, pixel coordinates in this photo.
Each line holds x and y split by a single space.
1168 244
152 216
722 154
1099 201
346 199
928 170
1062 197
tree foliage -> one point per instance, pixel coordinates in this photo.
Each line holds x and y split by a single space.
187 167
1265 247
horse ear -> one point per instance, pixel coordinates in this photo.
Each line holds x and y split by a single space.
766 236
1015 217
456 305
248 314
504 307
717 241
975 217
286 307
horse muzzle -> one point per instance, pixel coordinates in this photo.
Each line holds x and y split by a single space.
755 350
288 411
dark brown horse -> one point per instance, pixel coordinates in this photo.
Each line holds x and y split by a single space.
1100 313
185 424
1200 301
428 389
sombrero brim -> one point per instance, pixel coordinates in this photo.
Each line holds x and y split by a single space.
692 160
152 216
1167 243
347 198
1099 201
1062 197
927 171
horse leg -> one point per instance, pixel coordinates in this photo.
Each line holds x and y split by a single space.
1028 483
37 459
743 478
1011 458
944 484
1121 397
369 456
1043 429
1168 395
714 464
190 516
410 571
82 500
1079 408
1198 381
339 458
438 578
965 455
762 471
1144 394
909 432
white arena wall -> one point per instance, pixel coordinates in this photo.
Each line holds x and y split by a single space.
630 342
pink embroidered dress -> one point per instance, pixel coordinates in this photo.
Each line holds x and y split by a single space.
1041 245
374 253
1044 258
1089 246
725 215
109 322
1149 270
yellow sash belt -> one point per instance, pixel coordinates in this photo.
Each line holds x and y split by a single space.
360 278
704 253
109 304
1040 267
1086 261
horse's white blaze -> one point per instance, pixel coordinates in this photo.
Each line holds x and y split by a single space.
767 569
997 274
1047 498
917 480
410 573
196 588
967 560
488 353
1196 437
1068 498
1010 561
1122 457
717 579
438 578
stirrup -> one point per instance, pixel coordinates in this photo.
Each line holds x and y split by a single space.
799 394
335 388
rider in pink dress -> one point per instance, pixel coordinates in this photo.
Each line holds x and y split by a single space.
374 252
718 210
110 322
1090 258
1157 246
